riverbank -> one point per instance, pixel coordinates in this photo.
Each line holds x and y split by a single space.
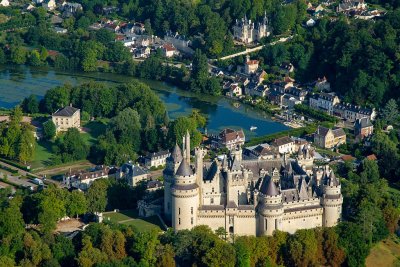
17 82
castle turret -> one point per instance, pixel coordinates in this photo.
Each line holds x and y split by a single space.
185 198
187 147
332 200
172 164
270 207
199 154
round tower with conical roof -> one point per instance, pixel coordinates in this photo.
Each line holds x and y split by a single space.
270 207
173 162
185 198
332 200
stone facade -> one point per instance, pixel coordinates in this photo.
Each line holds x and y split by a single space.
329 138
249 32
68 117
250 196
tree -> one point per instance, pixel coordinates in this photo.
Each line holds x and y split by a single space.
126 128
27 143
97 196
56 98
49 130
30 104
34 58
391 111
105 36
3 58
18 55
76 203
71 146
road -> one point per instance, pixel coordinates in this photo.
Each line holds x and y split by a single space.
21 181
255 49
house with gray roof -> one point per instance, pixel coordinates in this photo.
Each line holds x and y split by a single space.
329 138
132 173
66 118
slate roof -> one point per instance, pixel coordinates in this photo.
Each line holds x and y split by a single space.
184 169
176 154
68 111
268 187
282 141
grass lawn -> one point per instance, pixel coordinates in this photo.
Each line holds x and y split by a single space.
93 130
385 253
130 217
42 154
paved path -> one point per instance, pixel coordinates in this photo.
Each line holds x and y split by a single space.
255 49
25 182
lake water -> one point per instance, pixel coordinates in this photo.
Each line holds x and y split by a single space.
18 82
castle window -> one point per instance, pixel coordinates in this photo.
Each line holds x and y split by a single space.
191 210
191 220
179 220
179 211
212 200
212 190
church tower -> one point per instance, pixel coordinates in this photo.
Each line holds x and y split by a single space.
332 200
270 208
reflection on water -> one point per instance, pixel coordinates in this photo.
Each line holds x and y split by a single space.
19 82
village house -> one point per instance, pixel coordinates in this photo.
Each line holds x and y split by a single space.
168 50
248 32
179 41
83 179
284 85
257 90
363 128
156 159
258 77
49 5
134 28
275 97
285 145
154 185
71 7
329 138
234 90
229 139
66 118
324 102
287 67
261 151
4 3
289 101
251 66
322 85
352 113
132 173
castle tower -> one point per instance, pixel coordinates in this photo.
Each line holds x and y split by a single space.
185 198
172 164
187 147
270 208
199 155
332 200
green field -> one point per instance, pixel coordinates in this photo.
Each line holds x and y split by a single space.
42 154
130 217
43 151
93 130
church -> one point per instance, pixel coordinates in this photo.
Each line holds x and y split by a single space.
250 196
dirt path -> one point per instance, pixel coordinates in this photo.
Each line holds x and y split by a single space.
65 169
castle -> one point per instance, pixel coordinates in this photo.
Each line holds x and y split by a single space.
248 32
250 196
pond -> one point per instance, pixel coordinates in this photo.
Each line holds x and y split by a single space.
18 82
